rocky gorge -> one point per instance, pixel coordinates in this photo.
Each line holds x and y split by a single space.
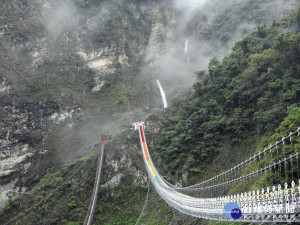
75 72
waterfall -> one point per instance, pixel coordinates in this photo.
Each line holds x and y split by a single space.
162 94
186 46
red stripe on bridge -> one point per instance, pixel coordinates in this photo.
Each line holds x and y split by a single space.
144 143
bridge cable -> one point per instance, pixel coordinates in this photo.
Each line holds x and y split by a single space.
49 195
146 201
255 157
91 210
80 182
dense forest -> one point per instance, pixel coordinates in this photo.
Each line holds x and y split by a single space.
238 100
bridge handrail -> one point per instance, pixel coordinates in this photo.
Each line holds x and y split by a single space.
243 164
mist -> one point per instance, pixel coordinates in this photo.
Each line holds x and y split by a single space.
70 27
188 5
80 137
178 52
177 63
59 17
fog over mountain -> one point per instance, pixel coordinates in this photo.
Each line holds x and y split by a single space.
190 22
75 72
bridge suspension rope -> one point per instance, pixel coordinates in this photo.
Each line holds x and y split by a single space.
256 157
91 210
66 197
49 195
143 210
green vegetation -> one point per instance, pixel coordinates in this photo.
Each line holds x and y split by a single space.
7 207
48 77
117 32
244 97
290 123
269 178
120 205
298 16
236 15
72 203
230 20
52 205
158 212
60 76
237 104
69 204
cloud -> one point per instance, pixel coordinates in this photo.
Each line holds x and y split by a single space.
188 4
176 68
59 17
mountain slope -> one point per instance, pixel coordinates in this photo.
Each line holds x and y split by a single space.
241 99
65 80
64 84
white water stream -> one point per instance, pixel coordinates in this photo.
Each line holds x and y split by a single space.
162 94
186 46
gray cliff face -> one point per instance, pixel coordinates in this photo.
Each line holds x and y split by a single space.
123 158
57 62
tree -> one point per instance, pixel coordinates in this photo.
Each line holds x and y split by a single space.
298 16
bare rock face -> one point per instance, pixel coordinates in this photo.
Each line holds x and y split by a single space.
15 151
102 62
162 24
4 87
55 59
156 46
123 158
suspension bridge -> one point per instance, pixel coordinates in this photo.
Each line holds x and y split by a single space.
274 203
278 203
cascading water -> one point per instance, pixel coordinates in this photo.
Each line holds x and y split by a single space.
162 94
186 46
